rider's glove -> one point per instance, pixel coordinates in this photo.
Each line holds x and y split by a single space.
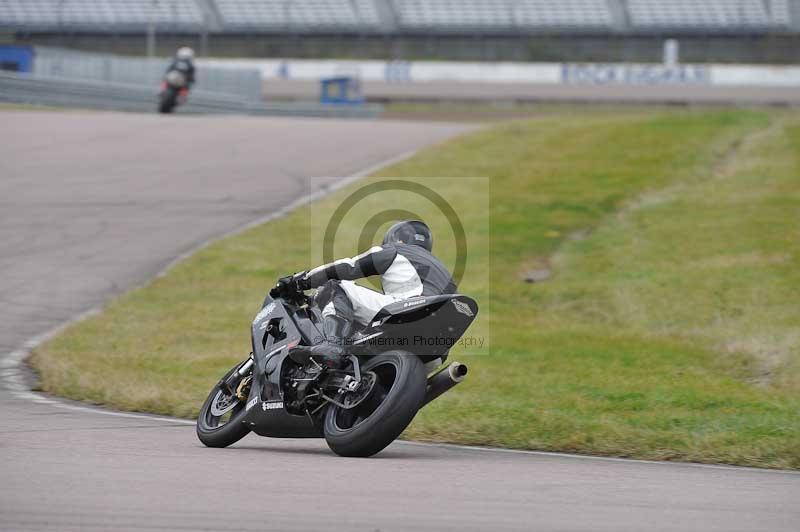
286 286
289 285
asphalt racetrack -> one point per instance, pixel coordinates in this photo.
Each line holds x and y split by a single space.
92 204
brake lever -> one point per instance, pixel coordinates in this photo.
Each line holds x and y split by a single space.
299 298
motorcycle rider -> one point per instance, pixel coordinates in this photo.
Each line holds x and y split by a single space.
407 269
183 62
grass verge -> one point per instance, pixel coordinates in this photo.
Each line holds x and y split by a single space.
669 328
453 111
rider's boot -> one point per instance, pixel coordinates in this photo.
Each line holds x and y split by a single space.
331 352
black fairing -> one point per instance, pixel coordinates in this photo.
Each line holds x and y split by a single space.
427 326
276 328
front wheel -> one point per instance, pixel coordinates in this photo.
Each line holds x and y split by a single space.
167 100
220 421
377 421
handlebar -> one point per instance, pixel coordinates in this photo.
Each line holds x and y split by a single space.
298 297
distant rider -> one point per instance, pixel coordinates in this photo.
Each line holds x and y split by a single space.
407 269
184 63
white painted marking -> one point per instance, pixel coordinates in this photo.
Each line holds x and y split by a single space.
596 458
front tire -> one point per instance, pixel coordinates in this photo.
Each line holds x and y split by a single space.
219 423
384 415
167 101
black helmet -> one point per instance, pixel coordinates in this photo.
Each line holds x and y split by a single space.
410 232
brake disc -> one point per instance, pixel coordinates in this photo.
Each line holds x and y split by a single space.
222 404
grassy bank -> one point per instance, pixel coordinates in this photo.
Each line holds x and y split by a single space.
489 111
668 329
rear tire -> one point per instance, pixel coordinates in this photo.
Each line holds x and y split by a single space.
403 383
208 429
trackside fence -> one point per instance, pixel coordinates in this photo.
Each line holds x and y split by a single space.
92 94
73 64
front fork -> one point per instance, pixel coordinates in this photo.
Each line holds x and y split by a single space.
229 385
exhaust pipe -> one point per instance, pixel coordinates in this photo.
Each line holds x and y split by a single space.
444 379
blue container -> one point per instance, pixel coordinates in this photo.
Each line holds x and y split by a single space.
16 58
341 90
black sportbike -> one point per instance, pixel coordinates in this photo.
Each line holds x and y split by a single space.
174 91
360 408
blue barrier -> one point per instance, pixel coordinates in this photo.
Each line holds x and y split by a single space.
16 58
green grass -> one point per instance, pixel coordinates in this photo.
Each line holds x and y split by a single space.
4 106
493 111
669 329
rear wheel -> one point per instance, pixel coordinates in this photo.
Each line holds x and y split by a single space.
220 421
378 420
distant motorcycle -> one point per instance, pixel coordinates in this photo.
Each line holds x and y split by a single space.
174 91
360 408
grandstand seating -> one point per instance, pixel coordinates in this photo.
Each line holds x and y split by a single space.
453 14
331 14
459 14
708 14
472 16
779 13
250 14
99 13
562 14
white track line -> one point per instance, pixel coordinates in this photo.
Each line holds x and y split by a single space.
11 366
631 461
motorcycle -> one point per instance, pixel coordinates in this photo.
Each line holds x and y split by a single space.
174 91
359 408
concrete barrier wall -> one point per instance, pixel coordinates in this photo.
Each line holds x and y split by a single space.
640 74
73 64
93 94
